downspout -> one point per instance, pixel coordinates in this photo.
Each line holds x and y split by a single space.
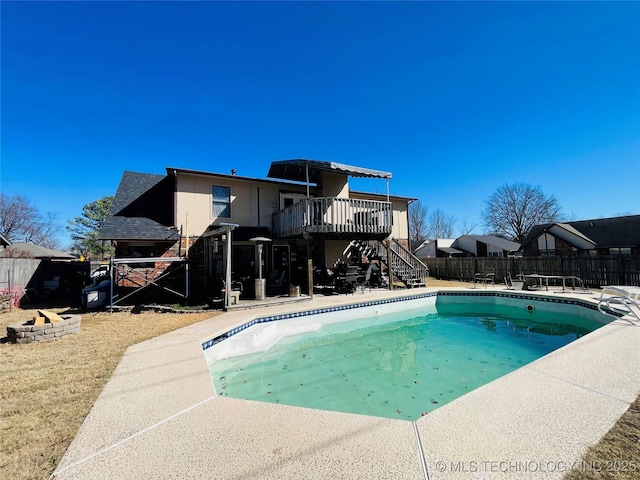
175 198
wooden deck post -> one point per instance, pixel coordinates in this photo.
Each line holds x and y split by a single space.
389 263
310 267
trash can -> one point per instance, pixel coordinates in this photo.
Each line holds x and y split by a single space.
261 288
294 291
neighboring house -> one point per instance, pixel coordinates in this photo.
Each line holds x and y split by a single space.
438 248
29 250
305 208
598 237
39 274
467 246
486 246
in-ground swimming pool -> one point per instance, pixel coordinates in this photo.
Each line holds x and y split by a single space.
397 361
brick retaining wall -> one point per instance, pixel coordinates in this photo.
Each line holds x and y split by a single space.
23 332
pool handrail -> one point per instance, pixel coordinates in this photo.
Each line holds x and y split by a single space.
624 301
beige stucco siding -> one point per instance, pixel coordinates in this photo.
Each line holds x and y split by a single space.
400 208
334 185
252 203
400 219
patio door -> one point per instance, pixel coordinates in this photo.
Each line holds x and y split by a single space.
288 199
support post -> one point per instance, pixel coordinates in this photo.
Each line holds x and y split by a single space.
310 267
227 287
310 279
389 263
186 281
111 286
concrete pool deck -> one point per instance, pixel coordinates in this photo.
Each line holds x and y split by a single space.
158 417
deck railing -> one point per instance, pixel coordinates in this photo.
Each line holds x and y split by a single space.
333 215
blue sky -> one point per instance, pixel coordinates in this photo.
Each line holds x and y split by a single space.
455 99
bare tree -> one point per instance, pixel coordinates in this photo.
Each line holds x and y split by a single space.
417 223
466 227
22 222
513 209
440 225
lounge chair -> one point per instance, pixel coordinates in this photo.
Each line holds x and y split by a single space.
623 302
512 284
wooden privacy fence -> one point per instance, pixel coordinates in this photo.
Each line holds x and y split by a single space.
595 272
15 275
17 271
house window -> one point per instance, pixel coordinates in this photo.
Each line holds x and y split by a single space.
221 201
620 251
547 245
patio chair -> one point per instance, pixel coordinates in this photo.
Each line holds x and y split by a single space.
369 275
485 277
276 281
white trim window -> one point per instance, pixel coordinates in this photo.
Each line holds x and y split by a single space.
547 245
221 201
618 251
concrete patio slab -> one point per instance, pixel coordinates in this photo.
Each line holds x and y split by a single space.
525 425
231 439
158 417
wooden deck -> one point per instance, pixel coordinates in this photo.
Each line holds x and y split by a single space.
332 215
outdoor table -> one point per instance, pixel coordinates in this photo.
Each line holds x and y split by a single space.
540 278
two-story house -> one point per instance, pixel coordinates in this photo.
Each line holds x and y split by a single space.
302 216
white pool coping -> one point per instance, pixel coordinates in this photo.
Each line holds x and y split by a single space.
158 417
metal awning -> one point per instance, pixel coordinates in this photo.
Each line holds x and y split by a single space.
302 170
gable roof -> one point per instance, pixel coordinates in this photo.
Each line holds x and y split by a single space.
442 244
499 242
601 232
142 208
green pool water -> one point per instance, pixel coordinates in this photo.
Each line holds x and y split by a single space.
398 366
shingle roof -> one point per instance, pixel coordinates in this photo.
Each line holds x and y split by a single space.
142 209
604 232
38 251
611 232
499 242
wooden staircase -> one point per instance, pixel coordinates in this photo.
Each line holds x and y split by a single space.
405 266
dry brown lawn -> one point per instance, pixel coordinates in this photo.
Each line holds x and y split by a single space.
617 455
47 390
